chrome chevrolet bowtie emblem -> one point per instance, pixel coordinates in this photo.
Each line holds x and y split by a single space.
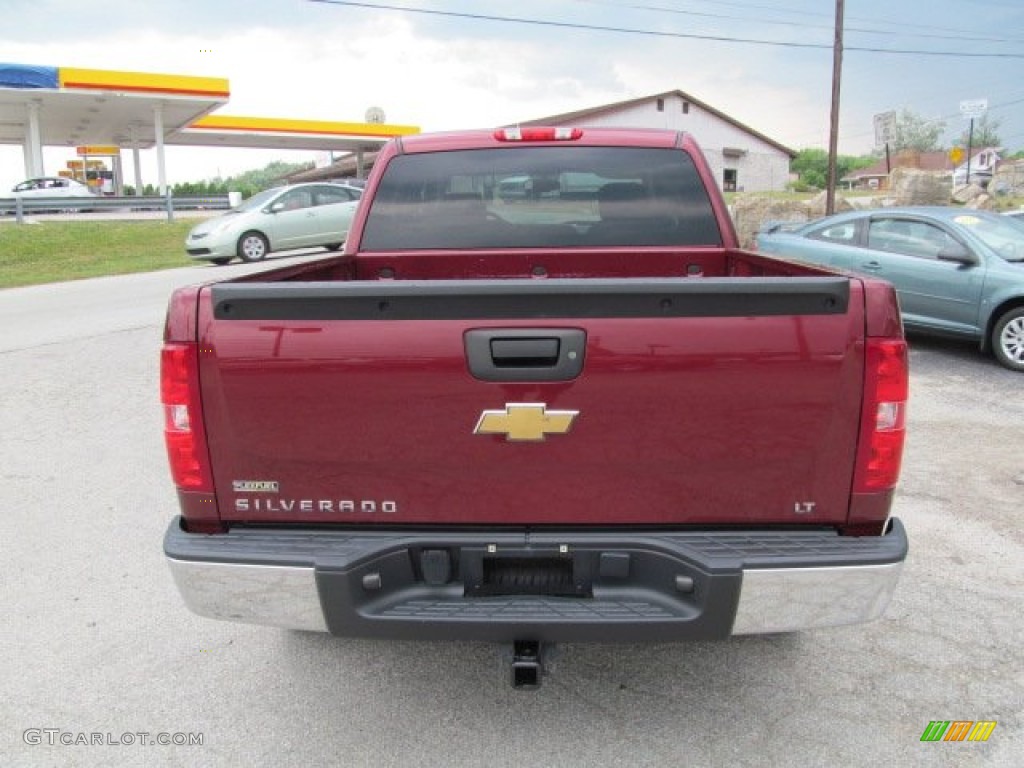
525 422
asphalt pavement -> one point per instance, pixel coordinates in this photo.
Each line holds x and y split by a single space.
99 660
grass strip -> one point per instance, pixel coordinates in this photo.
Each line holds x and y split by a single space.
54 251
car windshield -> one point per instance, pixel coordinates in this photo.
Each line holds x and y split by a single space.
535 197
1003 234
256 201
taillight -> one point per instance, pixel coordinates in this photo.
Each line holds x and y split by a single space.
883 419
538 134
183 428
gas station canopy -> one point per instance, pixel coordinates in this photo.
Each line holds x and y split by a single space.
91 106
65 106
272 133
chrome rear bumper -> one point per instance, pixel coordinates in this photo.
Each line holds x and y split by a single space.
633 586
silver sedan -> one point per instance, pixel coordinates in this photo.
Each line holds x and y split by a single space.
297 216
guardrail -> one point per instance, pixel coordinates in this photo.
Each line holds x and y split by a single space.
19 206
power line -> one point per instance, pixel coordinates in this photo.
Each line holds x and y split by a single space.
941 118
955 32
1013 5
663 34
951 34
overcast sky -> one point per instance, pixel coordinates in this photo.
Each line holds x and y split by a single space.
456 67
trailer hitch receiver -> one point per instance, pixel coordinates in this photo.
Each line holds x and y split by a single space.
527 664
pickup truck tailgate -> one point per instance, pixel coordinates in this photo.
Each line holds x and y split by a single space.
461 402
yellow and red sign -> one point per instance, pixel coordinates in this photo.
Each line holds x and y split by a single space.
106 150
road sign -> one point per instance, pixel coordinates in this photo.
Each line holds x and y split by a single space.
973 108
885 128
956 155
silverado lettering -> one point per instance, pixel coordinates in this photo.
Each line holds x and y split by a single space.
675 439
311 505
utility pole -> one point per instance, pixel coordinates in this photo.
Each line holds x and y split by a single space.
970 148
833 136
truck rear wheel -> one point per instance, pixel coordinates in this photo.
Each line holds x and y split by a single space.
252 246
1008 339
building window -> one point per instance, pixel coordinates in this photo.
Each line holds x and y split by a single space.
661 105
729 180
686 107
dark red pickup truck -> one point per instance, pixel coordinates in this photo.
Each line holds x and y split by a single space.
541 396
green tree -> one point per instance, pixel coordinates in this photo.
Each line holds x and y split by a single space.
812 167
986 133
912 131
248 183
271 175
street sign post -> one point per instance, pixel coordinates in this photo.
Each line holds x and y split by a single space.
971 109
885 131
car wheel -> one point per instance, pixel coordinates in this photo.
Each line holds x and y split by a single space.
333 246
221 261
252 246
1008 339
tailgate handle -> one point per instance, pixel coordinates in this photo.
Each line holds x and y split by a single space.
525 354
532 353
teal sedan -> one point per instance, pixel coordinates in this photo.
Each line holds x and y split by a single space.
958 272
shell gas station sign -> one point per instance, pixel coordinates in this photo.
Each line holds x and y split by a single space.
95 173
103 150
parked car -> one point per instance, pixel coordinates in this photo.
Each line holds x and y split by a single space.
958 272
46 187
296 216
50 186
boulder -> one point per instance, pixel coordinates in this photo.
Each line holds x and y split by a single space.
909 186
964 195
983 202
752 211
817 204
1009 179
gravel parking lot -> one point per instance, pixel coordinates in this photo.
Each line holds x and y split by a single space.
96 645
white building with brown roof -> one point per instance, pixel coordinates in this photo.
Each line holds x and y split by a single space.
743 160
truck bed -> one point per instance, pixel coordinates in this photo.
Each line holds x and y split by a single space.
354 392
